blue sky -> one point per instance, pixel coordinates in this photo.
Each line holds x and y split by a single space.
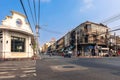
61 16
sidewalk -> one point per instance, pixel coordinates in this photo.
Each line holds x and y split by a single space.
90 57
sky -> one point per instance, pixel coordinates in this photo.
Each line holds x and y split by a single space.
57 17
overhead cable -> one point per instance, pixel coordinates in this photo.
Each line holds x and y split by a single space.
111 19
35 11
38 12
50 31
25 13
31 12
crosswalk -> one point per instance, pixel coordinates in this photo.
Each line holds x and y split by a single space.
21 69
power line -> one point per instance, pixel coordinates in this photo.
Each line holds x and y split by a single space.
35 11
38 12
115 30
31 12
108 31
25 13
116 26
54 32
111 19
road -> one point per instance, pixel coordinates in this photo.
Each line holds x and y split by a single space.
79 69
59 68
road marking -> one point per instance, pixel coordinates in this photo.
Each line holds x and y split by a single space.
34 74
4 77
4 72
23 75
7 69
29 71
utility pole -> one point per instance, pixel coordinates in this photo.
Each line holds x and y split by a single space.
76 43
96 44
115 43
107 38
37 40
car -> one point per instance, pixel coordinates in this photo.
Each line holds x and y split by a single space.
104 52
68 54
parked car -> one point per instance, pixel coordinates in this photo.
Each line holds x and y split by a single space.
68 54
118 52
104 52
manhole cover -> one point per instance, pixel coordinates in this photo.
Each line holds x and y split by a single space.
68 66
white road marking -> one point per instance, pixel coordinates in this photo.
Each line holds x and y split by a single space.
23 75
4 72
34 74
4 77
7 69
29 71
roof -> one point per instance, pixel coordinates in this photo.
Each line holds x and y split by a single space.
9 21
18 13
89 22
2 27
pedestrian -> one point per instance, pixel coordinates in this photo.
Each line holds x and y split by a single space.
78 53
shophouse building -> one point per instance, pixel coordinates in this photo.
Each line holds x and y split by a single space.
15 37
84 38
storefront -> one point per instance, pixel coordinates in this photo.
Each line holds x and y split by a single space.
15 37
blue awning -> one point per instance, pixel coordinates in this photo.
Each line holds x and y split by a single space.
71 47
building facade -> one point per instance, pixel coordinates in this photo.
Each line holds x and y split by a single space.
90 35
84 38
15 37
49 46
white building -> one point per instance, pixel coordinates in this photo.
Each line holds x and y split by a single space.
15 37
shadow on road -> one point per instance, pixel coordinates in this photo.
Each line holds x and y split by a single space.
104 63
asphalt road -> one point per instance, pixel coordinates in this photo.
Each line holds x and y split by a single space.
59 68
79 69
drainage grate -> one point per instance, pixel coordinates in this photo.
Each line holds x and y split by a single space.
68 67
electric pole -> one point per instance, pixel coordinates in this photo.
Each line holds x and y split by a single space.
115 43
37 40
76 43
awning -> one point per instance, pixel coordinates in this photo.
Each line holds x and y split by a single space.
71 47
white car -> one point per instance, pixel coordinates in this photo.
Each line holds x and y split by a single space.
104 52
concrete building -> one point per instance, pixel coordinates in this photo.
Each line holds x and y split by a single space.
60 44
67 39
48 46
87 36
45 47
15 37
84 38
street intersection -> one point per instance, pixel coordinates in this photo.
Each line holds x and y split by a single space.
60 68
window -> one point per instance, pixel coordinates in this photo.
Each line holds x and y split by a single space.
101 37
19 22
17 44
1 34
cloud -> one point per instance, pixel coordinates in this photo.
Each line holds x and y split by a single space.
88 4
45 1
